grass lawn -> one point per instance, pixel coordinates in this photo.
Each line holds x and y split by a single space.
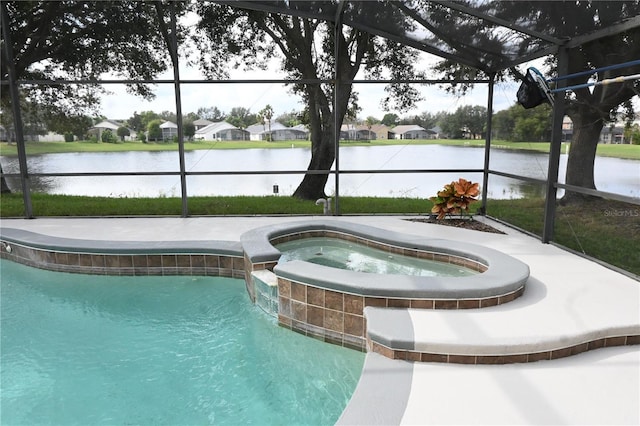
603 229
69 205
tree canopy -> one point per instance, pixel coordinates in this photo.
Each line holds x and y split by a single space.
589 109
467 119
241 117
210 113
84 40
305 48
265 115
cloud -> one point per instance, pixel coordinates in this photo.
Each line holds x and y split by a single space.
255 96
224 96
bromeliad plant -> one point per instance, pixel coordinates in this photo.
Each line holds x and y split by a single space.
455 198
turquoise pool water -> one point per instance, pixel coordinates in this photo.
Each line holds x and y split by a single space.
342 254
86 349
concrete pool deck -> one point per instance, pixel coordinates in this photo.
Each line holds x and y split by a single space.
567 299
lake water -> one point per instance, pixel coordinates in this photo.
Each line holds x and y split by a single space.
611 174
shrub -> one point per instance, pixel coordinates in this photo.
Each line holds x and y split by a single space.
154 132
189 130
455 198
68 137
123 132
108 137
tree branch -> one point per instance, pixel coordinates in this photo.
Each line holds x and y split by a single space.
262 24
165 32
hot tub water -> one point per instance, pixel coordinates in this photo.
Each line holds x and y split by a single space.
352 256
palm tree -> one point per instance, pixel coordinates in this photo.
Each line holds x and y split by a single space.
267 113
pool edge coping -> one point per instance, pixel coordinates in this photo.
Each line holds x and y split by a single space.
259 249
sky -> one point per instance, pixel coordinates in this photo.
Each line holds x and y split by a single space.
121 105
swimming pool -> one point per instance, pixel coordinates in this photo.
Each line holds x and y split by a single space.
88 349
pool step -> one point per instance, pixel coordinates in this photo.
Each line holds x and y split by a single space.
489 336
265 289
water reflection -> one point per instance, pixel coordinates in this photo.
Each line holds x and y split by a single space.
612 175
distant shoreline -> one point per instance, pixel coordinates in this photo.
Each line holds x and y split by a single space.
630 152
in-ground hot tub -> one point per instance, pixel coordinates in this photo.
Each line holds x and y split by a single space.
328 302
352 256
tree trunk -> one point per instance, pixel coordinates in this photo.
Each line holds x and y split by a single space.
322 116
4 188
312 185
323 151
323 146
580 164
323 121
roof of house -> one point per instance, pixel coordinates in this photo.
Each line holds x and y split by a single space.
108 124
202 122
277 126
256 128
168 125
216 127
380 128
404 128
260 128
356 127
